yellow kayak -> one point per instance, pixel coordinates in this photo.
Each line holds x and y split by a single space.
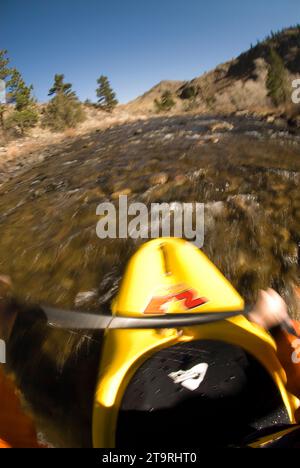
188 357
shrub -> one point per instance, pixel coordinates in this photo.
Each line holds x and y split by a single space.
188 92
23 120
277 79
64 110
166 102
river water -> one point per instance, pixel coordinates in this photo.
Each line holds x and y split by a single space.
248 177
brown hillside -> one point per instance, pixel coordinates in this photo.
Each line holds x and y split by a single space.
237 85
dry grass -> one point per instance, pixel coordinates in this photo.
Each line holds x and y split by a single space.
12 152
70 133
40 139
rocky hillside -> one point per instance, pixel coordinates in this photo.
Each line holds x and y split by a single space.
237 85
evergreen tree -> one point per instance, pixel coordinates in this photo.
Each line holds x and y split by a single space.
105 94
64 110
59 87
5 73
166 102
25 114
277 79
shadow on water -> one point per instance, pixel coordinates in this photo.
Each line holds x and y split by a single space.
248 179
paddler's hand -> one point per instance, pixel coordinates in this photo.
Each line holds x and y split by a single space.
270 310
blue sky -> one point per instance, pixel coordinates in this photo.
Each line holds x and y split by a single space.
137 43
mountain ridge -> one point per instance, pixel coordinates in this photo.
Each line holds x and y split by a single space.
239 84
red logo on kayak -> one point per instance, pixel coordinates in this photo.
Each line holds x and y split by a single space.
159 304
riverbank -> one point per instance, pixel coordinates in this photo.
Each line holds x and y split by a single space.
18 154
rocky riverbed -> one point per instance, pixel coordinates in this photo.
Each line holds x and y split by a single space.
246 171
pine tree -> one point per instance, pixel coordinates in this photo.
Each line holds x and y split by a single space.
64 110
59 87
106 96
5 73
166 102
25 114
277 79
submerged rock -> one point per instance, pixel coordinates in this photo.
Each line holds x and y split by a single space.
120 193
219 126
85 297
159 179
